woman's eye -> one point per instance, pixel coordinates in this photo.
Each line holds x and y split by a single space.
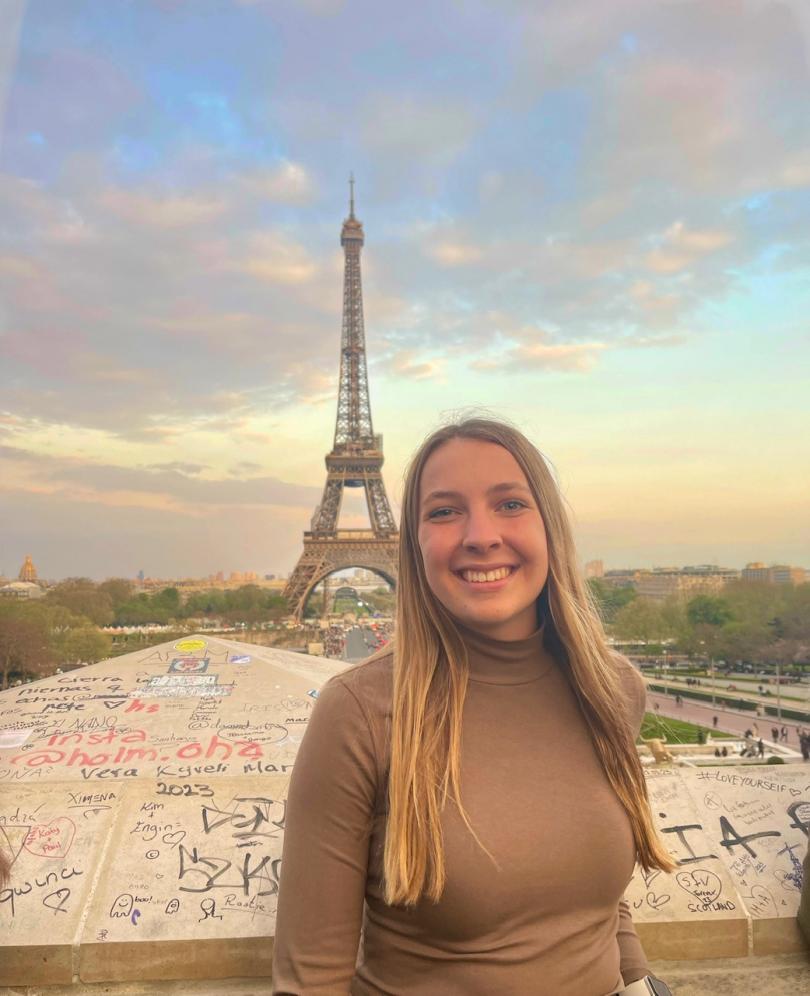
440 513
512 505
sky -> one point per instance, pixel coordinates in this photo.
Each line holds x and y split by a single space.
591 218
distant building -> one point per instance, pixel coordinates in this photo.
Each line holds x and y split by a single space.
595 569
21 589
622 578
27 572
685 582
782 574
774 574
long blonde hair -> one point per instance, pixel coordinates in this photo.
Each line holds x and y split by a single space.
430 682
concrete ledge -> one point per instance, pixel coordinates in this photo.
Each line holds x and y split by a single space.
788 975
778 936
142 961
48 964
703 940
785 975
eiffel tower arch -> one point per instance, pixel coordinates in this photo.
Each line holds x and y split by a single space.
355 460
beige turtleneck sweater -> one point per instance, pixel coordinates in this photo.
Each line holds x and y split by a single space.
549 921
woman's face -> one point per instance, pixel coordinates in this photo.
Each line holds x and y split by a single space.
482 538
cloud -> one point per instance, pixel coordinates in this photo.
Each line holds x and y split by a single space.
406 364
428 132
172 484
286 183
161 211
277 259
182 468
575 357
317 7
455 253
680 247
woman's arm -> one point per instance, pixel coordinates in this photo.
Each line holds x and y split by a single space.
633 963
632 960
330 809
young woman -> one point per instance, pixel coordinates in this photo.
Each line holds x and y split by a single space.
472 799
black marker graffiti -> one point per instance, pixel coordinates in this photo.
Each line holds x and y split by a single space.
732 839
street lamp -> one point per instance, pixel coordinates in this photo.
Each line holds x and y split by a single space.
778 695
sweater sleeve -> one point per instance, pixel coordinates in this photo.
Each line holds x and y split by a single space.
330 809
633 960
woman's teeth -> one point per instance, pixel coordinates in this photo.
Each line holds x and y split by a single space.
496 575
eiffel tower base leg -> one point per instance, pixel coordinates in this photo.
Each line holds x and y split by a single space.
323 556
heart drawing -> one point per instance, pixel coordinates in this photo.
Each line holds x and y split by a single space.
51 840
761 903
704 885
656 902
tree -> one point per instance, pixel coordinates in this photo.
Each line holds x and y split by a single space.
708 617
119 590
205 603
708 610
168 599
640 620
609 599
24 647
83 598
87 645
795 612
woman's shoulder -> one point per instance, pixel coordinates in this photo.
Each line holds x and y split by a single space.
370 683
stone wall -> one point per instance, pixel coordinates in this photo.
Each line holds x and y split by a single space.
142 805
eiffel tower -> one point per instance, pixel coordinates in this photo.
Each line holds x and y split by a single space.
355 461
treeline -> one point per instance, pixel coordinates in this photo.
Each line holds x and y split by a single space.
117 603
755 623
63 628
36 637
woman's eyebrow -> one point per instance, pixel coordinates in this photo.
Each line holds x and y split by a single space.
440 495
495 489
508 486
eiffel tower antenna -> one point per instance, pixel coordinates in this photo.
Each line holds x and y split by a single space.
356 458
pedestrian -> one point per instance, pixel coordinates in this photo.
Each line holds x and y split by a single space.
784 732
804 746
724 751
760 747
656 706
775 734
755 731
407 806
714 722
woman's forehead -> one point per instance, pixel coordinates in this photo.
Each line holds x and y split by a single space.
469 463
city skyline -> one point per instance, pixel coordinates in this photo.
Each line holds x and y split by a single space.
588 223
236 575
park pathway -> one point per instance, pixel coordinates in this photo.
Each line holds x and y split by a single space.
728 720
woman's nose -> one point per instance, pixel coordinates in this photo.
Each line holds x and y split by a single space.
481 532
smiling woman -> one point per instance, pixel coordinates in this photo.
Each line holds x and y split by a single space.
472 799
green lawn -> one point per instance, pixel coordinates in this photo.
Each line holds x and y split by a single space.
676 731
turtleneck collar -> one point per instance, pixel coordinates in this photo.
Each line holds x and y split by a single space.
506 662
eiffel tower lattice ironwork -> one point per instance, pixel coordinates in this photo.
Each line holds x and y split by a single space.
356 458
